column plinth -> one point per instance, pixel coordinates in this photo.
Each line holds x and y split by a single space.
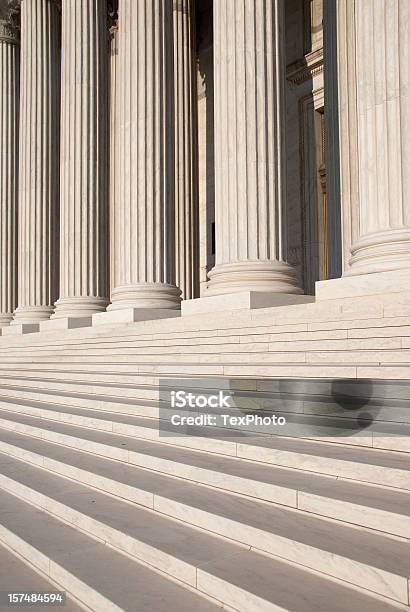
144 230
9 100
38 161
84 160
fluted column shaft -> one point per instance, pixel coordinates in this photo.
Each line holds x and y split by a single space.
9 100
113 145
381 236
186 150
84 159
250 189
144 211
38 160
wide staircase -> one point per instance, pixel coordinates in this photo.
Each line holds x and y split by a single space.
99 501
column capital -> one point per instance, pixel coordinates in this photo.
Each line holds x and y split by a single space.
10 21
112 15
9 33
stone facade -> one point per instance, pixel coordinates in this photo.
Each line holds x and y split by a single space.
187 150
178 179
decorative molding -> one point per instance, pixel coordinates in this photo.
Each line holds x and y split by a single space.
10 23
319 99
304 69
112 13
9 33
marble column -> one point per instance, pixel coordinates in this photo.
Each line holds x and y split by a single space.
38 161
84 159
9 100
144 209
250 187
381 237
113 144
346 116
186 150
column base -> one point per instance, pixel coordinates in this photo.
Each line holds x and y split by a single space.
275 277
386 251
64 323
28 315
133 315
5 319
79 307
146 296
18 329
363 285
246 300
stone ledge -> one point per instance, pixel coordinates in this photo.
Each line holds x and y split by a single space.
65 323
246 300
363 285
133 315
20 329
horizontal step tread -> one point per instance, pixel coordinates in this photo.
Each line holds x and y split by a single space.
16 576
287 587
117 578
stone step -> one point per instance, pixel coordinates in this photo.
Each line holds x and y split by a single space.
362 369
210 363
141 420
253 583
202 345
217 337
193 370
187 358
16 576
124 373
366 560
368 351
320 390
240 324
387 511
291 317
341 428
100 577
30 372
384 468
383 401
